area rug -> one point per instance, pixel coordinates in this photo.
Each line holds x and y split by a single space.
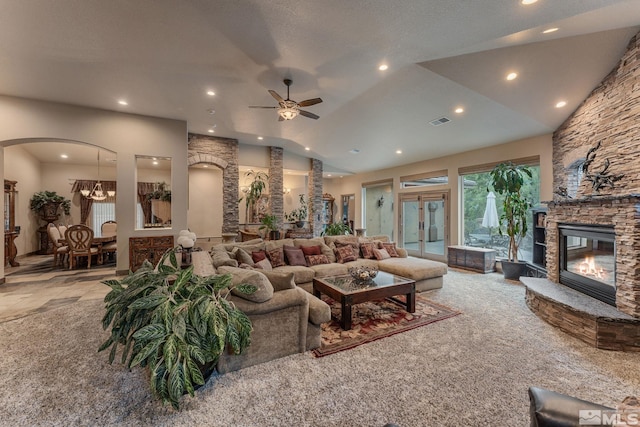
374 320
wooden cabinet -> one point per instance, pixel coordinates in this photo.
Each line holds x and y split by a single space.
11 232
539 257
481 260
151 248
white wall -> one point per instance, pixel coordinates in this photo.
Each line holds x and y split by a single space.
205 202
128 135
540 146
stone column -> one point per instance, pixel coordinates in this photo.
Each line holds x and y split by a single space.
276 176
315 196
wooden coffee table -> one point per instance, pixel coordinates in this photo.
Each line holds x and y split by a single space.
349 292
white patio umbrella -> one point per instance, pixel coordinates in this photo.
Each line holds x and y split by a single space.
490 218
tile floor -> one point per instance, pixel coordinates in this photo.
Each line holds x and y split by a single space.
30 288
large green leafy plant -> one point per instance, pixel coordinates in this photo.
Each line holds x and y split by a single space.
174 323
42 198
337 229
507 180
300 213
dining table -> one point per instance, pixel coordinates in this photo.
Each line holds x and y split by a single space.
97 242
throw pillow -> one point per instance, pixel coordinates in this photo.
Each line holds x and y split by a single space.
243 257
294 256
311 250
345 254
250 277
264 265
367 250
316 260
391 248
381 254
258 256
276 256
349 240
280 281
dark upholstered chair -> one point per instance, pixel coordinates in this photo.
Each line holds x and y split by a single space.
551 409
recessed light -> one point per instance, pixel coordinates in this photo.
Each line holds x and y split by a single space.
328 174
528 2
64 156
398 151
550 30
459 110
260 138
561 104
512 76
383 67
210 93
123 102
205 166
307 148
211 111
211 131
155 162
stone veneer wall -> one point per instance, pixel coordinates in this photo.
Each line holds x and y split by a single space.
276 177
609 115
223 153
315 196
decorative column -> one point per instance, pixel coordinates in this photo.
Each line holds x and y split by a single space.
276 176
315 196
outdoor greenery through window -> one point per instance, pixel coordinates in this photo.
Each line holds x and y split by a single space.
474 205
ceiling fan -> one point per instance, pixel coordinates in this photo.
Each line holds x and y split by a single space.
289 109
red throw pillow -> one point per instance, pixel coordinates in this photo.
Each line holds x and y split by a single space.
276 256
345 254
367 250
311 250
294 256
258 256
317 260
391 248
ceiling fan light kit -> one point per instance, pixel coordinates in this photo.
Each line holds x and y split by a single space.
289 109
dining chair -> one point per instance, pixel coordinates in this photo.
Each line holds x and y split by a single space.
79 239
109 228
59 249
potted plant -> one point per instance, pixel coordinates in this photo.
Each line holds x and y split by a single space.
337 229
270 225
254 190
175 324
47 203
507 180
299 215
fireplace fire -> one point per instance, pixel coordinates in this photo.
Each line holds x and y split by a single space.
587 260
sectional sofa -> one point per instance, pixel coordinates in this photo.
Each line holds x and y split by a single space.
286 317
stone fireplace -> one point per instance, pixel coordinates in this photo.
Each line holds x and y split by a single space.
596 213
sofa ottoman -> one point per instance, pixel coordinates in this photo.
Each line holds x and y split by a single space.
427 274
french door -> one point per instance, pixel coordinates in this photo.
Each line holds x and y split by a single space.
424 224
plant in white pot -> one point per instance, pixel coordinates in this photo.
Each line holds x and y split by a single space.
507 180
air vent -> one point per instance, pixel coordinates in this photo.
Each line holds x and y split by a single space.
354 151
440 121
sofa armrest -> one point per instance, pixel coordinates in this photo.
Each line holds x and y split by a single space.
202 264
319 311
282 299
551 409
402 252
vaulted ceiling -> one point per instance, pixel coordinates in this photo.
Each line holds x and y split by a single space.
162 56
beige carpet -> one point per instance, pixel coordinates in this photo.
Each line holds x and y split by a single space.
470 370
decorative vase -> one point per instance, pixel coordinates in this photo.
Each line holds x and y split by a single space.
49 212
300 224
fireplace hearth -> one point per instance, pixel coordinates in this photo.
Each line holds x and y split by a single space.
588 260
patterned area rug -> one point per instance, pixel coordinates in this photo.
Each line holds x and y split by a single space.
375 320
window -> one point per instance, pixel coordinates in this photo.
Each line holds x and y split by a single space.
100 213
474 203
425 179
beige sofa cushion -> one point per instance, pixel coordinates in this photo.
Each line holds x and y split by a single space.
413 268
333 269
301 274
273 244
220 257
202 264
280 280
251 277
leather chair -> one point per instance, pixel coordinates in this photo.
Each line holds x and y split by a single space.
79 238
551 409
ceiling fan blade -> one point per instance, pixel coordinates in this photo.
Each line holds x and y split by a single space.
276 96
309 102
260 106
310 115
280 118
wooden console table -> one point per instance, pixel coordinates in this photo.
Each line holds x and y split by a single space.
147 248
10 249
